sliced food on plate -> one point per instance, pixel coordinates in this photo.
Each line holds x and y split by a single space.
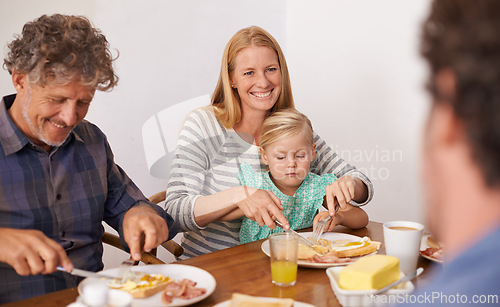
337 251
162 284
141 285
432 249
333 249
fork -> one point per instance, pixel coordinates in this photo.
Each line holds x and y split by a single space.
320 227
124 270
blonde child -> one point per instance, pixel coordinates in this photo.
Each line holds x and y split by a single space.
287 148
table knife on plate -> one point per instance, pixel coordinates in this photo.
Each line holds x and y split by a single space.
83 273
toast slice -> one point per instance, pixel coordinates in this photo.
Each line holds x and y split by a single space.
432 242
146 286
367 248
340 248
242 300
306 252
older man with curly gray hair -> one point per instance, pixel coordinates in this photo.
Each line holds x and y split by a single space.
58 180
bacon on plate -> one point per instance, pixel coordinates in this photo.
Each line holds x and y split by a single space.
185 289
328 258
436 253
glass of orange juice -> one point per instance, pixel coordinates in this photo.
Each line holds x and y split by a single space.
284 250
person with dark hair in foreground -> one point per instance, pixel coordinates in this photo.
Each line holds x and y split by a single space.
58 180
461 151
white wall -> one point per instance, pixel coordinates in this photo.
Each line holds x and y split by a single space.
356 72
354 65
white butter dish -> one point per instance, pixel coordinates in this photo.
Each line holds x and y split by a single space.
364 297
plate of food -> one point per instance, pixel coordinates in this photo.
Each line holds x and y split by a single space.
333 249
431 249
162 284
238 300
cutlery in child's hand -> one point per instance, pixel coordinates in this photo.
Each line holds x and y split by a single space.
320 227
301 238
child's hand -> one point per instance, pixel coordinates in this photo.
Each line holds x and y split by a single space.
342 191
323 215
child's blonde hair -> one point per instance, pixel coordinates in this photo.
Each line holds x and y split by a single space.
285 123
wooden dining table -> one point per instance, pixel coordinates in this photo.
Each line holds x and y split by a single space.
246 269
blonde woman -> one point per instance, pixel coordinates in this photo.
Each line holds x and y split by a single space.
215 140
287 148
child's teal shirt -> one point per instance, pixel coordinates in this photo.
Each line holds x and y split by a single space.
299 209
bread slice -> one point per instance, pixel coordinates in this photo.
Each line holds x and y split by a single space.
366 249
145 287
147 291
432 242
306 252
332 247
243 300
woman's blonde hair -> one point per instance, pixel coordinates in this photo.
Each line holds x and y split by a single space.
225 100
285 123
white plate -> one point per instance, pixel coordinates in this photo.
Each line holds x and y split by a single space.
175 271
332 236
270 299
424 246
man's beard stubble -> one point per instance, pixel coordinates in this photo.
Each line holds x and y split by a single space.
36 130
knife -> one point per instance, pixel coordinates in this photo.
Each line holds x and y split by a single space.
83 273
301 238
397 282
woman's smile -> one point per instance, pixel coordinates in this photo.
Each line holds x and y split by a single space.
261 94
257 78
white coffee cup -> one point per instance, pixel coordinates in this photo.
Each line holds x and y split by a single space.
402 240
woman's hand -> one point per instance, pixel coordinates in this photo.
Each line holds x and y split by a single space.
258 205
262 207
343 190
